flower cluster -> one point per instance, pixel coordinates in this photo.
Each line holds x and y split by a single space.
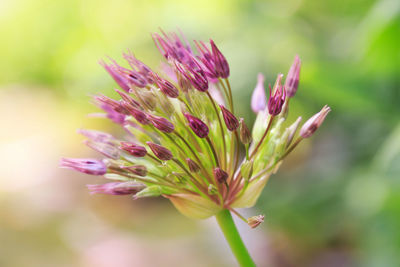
183 139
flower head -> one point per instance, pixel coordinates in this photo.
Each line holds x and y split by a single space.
179 144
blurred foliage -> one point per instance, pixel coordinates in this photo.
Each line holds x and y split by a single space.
335 202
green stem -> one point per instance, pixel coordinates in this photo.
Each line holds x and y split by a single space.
225 221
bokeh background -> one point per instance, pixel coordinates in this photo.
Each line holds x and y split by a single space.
334 202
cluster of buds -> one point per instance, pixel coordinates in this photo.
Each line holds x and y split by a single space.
184 140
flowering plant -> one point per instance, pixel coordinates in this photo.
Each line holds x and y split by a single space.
183 140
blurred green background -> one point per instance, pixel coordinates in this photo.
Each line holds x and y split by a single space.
334 202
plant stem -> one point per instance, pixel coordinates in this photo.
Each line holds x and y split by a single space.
225 221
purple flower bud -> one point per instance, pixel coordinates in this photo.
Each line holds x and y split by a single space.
313 123
196 77
107 150
133 149
220 175
230 120
142 68
207 60
114 115
139 170
88 166
221 64
193 167
161 123
255 221
118 78
172 47
166 87
139 115
276 101
160 152
197 125
258 98
128 99
137 79
116 188
292 80
245 134
96 136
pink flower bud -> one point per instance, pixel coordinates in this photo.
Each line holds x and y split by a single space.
161 124
197 125
166 87
96 136
139 115
220 175
160 152
116 188
107 150
133 149
230 120
292 80
196 77
221 64
118 78
88 166
276 101
128 99
313 123
258 98
255 221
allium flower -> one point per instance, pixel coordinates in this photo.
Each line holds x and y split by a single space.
182 144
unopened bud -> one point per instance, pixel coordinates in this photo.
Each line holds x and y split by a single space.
313 123
221 64
197 125
88 166
276 100
230 120
245 134
212 190
149 99
167 106
127 98
139 170
150 191
166 87
258 98
193 167
246 170
133 149
107 150
160 152
255 221
161 124
220 175
292 79
139 115
196 77
116 188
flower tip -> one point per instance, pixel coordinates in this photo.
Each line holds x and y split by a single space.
258 98
255 221
313 123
